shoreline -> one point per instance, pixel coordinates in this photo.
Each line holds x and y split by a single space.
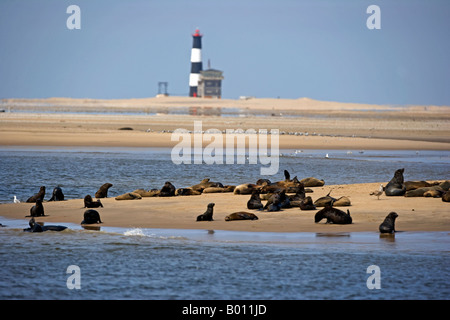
415 214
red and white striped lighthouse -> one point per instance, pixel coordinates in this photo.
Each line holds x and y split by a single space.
196 63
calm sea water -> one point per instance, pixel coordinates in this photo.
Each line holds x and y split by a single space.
117 263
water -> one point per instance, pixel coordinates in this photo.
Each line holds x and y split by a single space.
118 263
198 264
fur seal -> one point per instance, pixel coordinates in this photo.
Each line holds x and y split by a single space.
37 210
388 225
325 201
205 183
187 192
242 215
333 215
103 191
446 197
396 186
168 190
36 227
246 188
218 189
150 193
208 215
263 182
255 201
312 182
89 203
411 185
129 196
298 197
307 204
91 216
40 195
57 195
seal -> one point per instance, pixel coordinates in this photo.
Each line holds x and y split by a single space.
205 183
298 197
420 192
89 203
333 215
307 204
129 196
103 191
255 201
396 186
150 193
187 192
325 201
40 195
241 215
57 195
208 214
388 225
246 188
37 210
168 190
91 216
36 227
411 185
312 182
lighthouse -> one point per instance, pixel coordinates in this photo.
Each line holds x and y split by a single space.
196 63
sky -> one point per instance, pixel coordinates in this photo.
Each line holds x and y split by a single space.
320 49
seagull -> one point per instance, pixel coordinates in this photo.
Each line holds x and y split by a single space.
378 193
16 200
326 156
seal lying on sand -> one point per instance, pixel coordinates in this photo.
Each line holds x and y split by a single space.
333 215
168 190
246 188
103 191
242 215
40 195
388 225
437 190
57 195
208 215
37 210
36 227
255 201
150 193
129 196
446 197
205 183
273 203
89 203
312 182
396 186
187 192
91 216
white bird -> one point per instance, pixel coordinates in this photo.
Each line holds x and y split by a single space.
378 193
326 156
16 200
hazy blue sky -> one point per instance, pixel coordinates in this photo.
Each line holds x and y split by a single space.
266 48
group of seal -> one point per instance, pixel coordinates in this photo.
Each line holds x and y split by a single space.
57 195
241 215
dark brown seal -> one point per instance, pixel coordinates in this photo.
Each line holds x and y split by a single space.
307 204
388 225
241 215
446 197
57 194
89 203
40 195
333 215
396 187
168 190
208 214
103 191
91 216
255 201
37 210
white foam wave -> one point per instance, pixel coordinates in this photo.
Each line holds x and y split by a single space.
134 232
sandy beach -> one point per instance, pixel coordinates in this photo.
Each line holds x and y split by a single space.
303 124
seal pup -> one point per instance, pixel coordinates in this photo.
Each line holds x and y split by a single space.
255 201
241 215
103 191
333 215
396 186
57 194
388 225
40 195
89 203
208 214
91 216
168 190
36 227
37 210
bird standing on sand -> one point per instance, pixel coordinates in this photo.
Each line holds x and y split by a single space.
16 200
378 193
